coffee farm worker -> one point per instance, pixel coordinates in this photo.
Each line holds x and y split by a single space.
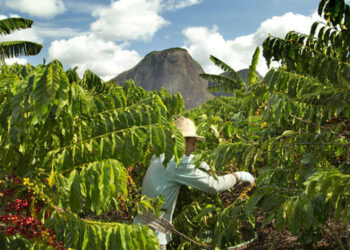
166 181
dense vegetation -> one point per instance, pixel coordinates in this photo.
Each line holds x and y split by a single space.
291 129
73 151
79 136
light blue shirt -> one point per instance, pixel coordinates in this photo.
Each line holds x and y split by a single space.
166 181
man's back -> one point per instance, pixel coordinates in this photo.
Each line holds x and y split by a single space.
166 181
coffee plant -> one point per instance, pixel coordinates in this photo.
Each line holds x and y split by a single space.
291 129
67 146
73 151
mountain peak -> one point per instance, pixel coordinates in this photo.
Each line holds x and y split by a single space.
173 69
166 51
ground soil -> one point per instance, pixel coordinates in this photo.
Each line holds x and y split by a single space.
269 238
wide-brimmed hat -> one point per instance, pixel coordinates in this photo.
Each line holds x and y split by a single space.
187 127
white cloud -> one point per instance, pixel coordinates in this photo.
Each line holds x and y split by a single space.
56 32
38 8
128 19
178 4
105 59
23 35
202 42
14 15
18 60
37 33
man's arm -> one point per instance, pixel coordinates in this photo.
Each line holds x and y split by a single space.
187 174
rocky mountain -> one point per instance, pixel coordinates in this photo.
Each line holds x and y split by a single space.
173 69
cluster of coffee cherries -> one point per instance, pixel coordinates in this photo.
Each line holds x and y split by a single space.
244 195
29 228
18 220
259 110
241 192
18 206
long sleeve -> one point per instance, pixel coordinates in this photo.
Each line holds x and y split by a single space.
166 181
187 174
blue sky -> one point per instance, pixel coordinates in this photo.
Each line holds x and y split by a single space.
109 37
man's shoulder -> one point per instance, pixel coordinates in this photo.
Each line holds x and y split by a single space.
186 161
159 160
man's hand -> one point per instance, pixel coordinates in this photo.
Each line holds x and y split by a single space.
244 177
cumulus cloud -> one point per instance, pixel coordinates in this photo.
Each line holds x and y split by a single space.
18 60
128 20
106 59
38 8
202 42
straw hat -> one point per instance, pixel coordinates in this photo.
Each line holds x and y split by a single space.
187 127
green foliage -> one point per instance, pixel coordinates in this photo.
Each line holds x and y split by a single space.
85 234
17 48
228 82
252 77
81 135
291 129
9 25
